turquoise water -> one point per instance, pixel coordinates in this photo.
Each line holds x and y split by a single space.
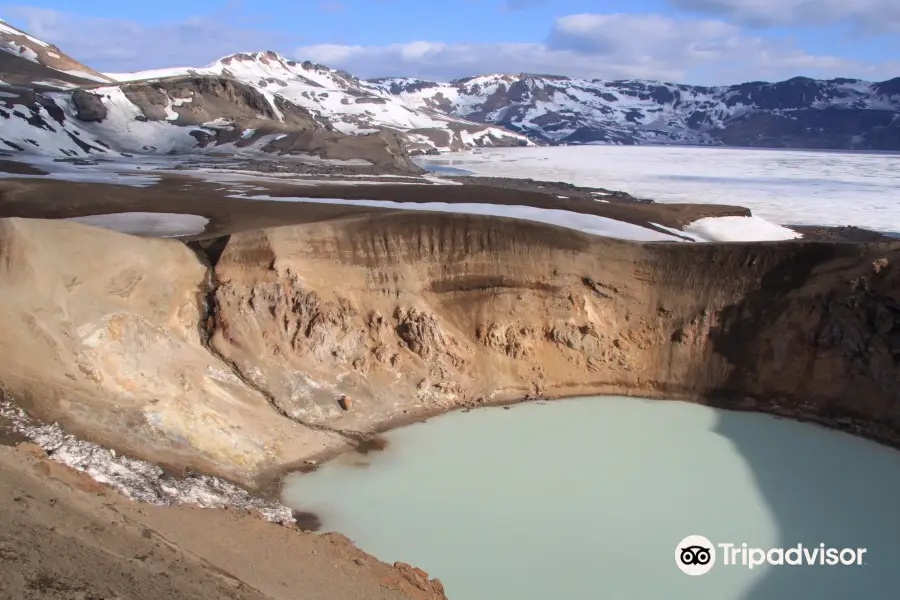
588 498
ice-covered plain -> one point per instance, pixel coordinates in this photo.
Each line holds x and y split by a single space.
789 187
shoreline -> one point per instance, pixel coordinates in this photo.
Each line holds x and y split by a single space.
271 483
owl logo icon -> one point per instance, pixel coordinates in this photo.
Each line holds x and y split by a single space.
695 555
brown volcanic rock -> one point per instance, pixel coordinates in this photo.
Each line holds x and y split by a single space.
415 313
129 342
100 323
488 308
89 107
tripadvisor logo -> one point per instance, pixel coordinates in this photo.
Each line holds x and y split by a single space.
696 555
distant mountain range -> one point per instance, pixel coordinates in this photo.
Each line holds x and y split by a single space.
265 103
798 113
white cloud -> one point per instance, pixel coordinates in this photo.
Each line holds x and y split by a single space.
872 16
610 46
117 45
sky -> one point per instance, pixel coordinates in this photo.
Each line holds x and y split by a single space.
704 42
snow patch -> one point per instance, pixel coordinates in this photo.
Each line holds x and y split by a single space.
5 28
83 75
592 224
740 229
149 224
691 236
141 481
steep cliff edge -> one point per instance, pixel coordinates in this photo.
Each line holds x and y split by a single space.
304 339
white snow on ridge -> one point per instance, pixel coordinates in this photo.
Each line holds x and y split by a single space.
124 130
83 75
36 140
353 107
612 112
150 74
740 229
7 29
149 224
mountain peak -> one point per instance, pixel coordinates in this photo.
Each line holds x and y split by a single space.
24 60
265 57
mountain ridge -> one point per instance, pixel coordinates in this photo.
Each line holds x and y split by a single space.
840 113
242 104
184 112
351 105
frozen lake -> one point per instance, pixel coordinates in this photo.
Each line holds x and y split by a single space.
589 498
789 187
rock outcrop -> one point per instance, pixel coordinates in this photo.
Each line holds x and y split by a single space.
242 368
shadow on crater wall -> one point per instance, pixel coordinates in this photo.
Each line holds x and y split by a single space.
787 458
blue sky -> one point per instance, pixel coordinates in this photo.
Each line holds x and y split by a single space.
691 41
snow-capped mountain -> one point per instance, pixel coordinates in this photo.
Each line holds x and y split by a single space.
800 112
264 102
348 104
180 115
51 104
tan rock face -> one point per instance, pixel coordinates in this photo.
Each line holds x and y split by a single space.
101 332
412 314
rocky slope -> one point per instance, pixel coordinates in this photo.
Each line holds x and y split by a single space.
67 537
240 370
798 113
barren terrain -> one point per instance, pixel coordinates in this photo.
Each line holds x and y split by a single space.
65 536
233 361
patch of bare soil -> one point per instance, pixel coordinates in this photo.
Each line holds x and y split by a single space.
19 168
65 536
840 234
8 434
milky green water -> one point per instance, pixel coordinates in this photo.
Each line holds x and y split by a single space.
588 498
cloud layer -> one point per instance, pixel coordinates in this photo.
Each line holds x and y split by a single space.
871 16
611 46
116 45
